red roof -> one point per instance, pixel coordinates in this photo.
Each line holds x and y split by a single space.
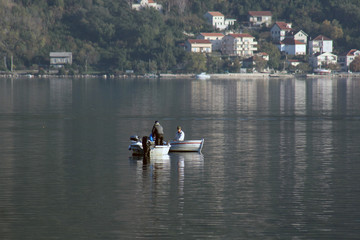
321 37
291 41
260 13
151 1
349 53
283 25
212 34
240 35
219 14
200 41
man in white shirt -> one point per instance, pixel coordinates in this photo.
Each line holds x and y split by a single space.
180 135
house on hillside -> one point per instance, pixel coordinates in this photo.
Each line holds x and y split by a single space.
346 58
214 38
321 60
320 44
146 3
218 21
59 59
299 35
198 46
263 55
292 47
239 44
279 30
258 18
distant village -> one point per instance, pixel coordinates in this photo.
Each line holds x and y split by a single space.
289 41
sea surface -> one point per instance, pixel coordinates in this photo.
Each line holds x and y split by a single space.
281 159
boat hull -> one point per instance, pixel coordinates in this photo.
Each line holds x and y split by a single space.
158 150
186 146
202 76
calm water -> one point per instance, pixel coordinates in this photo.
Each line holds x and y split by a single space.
281 159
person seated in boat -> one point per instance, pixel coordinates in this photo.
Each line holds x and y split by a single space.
180 135
158 133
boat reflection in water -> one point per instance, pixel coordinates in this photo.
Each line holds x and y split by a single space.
157 169
192 161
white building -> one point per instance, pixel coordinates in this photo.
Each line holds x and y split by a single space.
217 19
59 59
198 46
279 31
299 35
146 3
292 47
321 60
240 44
257 18
346 58
320 44
214 38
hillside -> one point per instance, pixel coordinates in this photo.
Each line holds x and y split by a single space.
106 35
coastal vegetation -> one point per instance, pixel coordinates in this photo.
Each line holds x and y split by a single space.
108 36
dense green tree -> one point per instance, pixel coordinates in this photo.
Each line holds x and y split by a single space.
303 67
107 35
274 54
355 65
195 63
214 63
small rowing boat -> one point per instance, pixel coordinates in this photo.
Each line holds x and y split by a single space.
186 146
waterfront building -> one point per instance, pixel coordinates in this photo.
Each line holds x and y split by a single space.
214 38
59 59
320 44
346 58
239 44
198 46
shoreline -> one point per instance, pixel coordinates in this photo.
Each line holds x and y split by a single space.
29 75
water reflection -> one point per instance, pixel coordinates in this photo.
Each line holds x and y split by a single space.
280 158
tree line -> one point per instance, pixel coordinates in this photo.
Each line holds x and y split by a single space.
108 36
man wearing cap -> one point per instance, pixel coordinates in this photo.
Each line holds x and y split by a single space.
158 133
180 135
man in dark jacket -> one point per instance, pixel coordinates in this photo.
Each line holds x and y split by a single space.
158 133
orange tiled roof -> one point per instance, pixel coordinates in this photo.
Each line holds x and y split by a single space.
349 53
260 13
212 34
321 37
201 41
240 35
218 14
283 25
290 41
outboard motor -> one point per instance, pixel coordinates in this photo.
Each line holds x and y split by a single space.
146 146
134 138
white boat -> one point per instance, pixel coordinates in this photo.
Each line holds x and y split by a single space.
322 71
203 76
136 146
186 146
